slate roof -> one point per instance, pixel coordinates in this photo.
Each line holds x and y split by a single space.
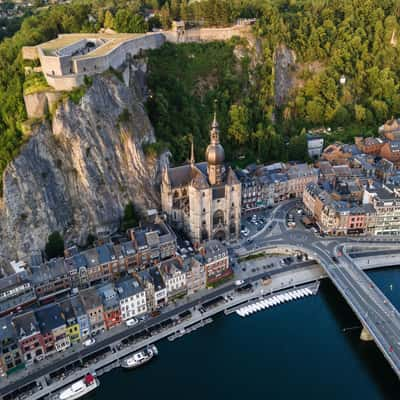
68 310
50 317
128 288
7 330
90 299
26 324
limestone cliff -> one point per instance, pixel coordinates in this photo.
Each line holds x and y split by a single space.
77 173
285 65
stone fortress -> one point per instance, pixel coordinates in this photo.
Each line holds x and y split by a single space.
66 60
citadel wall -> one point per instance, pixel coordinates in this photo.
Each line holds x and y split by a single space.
64 73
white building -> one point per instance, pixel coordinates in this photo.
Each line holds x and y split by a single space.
156 290
174 277
195 275
132 298
315 145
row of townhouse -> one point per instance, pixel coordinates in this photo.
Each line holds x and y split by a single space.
378 213
266 186
30 336
45 281
336 217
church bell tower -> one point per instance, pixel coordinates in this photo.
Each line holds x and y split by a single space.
215 155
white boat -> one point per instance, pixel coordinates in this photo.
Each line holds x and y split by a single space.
246 311
139 358
309 291
79 388
265 303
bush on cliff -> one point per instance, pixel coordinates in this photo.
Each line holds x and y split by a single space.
54 246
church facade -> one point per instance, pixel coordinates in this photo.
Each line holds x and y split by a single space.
204 199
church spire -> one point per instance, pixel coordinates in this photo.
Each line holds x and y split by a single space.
214 133
192 160
166 176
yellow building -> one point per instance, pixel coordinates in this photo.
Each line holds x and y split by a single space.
72 329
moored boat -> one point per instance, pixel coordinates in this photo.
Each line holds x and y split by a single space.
139 358
79 388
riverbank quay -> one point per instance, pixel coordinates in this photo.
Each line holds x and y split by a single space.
106 355
39 377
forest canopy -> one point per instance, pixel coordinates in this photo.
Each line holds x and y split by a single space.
354 39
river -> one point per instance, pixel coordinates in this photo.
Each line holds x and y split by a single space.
294 351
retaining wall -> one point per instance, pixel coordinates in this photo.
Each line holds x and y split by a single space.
39 104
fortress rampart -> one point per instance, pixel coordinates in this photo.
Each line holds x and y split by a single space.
65 61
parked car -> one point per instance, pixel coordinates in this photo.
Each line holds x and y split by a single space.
89 342
131 322
155 313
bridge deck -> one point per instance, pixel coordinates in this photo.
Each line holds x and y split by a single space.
370 305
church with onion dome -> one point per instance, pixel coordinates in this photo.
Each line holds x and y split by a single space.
204 199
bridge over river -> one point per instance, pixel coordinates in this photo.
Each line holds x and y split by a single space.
380 319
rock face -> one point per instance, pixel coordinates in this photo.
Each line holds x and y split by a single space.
285 64
77 173
39 104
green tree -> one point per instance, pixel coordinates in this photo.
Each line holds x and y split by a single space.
239 120
165 16
184 10
175 9
55 245
297 149
127 22
91 238
130 218
360 113
108 20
